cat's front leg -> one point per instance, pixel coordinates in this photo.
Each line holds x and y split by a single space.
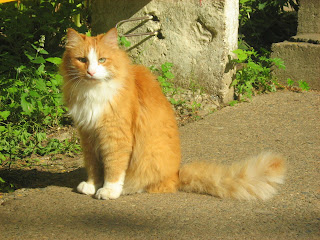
111 190
93 166
115 153
87 188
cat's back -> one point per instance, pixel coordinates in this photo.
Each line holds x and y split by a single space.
147 85
151 98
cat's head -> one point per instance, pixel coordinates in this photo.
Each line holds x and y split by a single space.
93 59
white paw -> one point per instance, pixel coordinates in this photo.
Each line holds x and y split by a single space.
109 192
86 188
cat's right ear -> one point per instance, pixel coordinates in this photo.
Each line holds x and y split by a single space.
73 38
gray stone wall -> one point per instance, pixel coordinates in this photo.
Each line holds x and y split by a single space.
309 17
196 36
302 54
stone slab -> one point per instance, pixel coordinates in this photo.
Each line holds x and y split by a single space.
302 62
307 37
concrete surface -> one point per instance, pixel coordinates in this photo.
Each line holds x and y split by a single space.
284 122
302 56
309 17
196 36
302 61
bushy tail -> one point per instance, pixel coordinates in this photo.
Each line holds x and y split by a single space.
255 178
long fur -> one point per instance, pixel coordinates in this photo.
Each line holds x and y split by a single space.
129 134
255 178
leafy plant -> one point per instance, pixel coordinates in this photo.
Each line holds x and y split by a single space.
263 22
30 104
23 23
165 79
304 85
31 42
255 76
290 82
124 42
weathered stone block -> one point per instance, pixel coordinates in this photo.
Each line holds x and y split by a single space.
309 17
196 36
302 62
302 58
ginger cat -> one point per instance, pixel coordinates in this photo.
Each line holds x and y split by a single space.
129 134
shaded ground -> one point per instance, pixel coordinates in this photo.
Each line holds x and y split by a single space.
48 208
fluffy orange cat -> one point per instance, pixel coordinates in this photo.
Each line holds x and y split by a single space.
129 134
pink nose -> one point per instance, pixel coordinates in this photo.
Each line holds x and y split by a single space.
91 73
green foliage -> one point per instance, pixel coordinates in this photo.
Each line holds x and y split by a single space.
23 24
290 82
263 22
30 104
255 76
124 42
303 85
31 43
165 79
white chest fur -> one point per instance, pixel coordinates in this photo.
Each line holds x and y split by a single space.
91 102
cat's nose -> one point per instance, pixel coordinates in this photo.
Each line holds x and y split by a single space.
91 72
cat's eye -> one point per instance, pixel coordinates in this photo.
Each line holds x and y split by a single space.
82 59
102 60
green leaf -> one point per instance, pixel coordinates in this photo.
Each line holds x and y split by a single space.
41 85
34 94
304 85
42 51
4 114
38 60
290 82
2 128
54 60
279 63
124 42
242 56
1 180
169 75
26 106
41 70
261 6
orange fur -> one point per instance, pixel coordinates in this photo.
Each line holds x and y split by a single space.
129 133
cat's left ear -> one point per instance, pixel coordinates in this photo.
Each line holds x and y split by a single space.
111 38
73 38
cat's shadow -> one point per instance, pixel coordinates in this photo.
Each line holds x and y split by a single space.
21 178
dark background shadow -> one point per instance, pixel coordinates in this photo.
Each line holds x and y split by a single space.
40 179
106 14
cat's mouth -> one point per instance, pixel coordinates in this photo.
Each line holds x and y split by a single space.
96 79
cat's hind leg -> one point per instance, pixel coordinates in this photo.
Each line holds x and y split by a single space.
167 185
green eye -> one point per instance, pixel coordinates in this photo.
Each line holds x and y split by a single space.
102 60
82 59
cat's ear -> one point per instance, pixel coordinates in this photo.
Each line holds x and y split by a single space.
73 38
111 38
